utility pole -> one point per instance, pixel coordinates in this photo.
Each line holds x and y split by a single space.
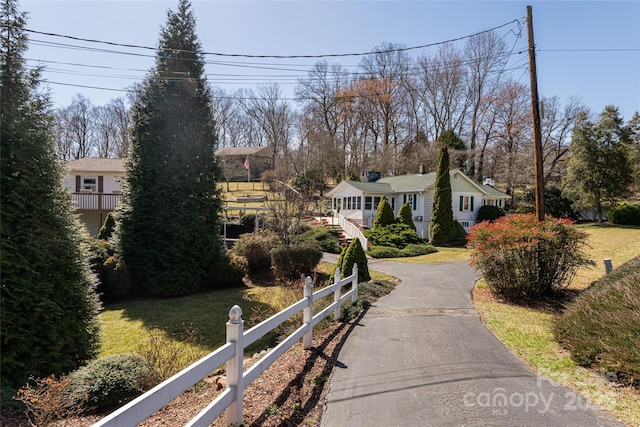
535 113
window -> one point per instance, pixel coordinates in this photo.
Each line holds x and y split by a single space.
359 202
367 203
376 202
466 203
393 204
89 184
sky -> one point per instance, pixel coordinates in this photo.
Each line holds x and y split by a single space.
584 49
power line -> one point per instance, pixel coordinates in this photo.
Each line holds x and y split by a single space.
239 55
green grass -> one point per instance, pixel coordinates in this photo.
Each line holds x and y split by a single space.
533 340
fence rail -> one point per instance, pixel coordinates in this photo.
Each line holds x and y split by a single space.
232 353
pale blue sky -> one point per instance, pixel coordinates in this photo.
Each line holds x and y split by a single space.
586 49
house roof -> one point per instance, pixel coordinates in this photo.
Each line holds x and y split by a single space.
244 151
493 192
414 183
410 183
94 164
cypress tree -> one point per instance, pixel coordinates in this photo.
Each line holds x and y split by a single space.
355 255
169 224
384 214
405 217
49 307
442 226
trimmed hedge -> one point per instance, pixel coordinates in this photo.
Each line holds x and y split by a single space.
256 248
489 213
408 251
625 214
601 326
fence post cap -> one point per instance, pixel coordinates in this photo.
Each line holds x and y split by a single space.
308 281
235 314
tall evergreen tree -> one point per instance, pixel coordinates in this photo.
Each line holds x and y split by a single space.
48 303
442 226
598 170
169 224
384 214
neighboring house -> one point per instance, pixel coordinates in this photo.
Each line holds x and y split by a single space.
358 201
94 185
242 163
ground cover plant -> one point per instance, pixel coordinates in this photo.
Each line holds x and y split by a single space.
600 327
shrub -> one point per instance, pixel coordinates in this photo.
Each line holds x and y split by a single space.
110 381
326 238
248 220
554 203
256 248
459 237
107 228
397 235
441 226
293 261
384 252
601 325
489 213
625 214
115 283
229 271
47 400
354 254
405 217
384 214
417 250
522 259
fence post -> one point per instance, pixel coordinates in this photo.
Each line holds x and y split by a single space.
235 334
608 266
307 314
336 295
354 284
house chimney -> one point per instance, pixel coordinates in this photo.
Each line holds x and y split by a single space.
421 168
489 181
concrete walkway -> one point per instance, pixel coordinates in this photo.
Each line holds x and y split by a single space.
422 357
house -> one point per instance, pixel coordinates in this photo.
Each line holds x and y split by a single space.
244 163
358 201
94 185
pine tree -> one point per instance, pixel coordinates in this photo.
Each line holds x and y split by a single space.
384 214
442 227
169 225
48 302
355 255
598 170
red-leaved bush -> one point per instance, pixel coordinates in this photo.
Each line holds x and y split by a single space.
522 259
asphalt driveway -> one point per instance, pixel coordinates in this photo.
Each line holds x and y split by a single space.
422 357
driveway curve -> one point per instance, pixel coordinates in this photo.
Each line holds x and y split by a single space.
422 357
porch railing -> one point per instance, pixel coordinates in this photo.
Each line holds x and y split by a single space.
353 230
232 354
95 201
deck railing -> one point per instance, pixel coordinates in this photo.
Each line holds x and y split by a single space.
232 353
95 201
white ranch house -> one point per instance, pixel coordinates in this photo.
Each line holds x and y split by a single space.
358 201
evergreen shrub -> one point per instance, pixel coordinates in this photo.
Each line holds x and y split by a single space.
405 217
417 250
397 235
625 214
107 228
115 284
384 215
325 238
378 251
522 259
293 261
489 213
354 254
110 381
601 326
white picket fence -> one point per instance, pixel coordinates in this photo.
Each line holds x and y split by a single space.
232 353
353 230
